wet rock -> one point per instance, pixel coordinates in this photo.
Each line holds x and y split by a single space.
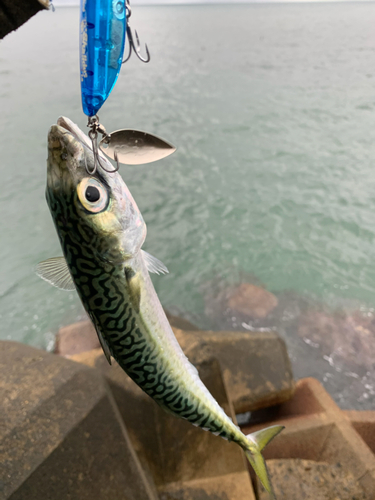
341 337
256 366
251 300
335 346
60 435
228 305
76 338
296 479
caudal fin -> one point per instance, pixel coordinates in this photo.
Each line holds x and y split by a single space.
257 441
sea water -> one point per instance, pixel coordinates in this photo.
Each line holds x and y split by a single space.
272 109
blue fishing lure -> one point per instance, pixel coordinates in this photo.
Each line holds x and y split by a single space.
104 26
103 30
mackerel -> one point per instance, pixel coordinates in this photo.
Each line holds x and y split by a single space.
101 232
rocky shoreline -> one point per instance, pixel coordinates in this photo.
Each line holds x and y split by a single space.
79 428
334 344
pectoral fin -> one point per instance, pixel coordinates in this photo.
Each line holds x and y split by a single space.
134 287
56 272
153 264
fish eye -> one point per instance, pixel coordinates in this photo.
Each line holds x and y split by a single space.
92 195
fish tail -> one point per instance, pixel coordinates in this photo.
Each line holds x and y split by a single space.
257 441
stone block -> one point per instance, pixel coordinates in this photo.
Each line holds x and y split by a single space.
180 458
255 365
229 487
364 423
316 429
180 323
76 338
296 479
81 336
61 436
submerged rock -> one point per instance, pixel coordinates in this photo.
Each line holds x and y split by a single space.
251 300
341 337
228 306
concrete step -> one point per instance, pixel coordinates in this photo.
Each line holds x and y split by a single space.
317 430
70 431
61 436
183 461
255 365
364 423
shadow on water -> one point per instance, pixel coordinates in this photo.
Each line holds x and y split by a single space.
333 343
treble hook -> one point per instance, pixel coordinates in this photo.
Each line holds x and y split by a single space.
96 127
134 47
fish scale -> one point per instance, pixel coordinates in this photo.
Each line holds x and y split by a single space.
101 239
131 348
128 345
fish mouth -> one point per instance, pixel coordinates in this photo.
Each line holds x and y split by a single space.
74 130
66 137
68 154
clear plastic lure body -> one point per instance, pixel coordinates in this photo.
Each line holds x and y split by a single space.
104 24
103 29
